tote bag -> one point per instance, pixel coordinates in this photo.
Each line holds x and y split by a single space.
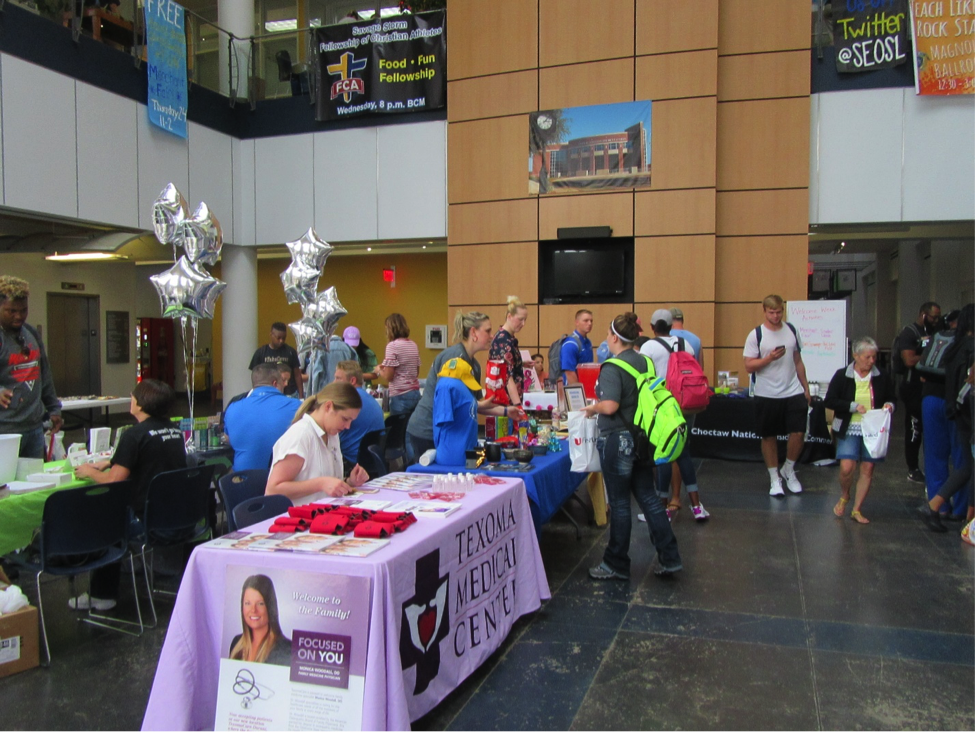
876 432
582 443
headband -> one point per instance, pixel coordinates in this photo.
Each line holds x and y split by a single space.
616 333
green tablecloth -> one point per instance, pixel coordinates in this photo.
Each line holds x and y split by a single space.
21 513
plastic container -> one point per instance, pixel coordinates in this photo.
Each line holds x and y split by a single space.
9 455
588 374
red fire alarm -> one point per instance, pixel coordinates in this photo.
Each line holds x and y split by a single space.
389 275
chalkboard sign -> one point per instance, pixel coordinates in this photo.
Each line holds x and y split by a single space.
116 336
822 329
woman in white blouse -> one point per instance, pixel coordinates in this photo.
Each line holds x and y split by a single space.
306 464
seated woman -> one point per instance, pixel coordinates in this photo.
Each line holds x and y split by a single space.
261 639
306 463
853 391
154 445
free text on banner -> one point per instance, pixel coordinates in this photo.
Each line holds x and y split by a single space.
387 66
944 44
166 53
870 34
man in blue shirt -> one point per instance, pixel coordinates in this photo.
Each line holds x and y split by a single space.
692 340
572 353
455 412
370 417
255 422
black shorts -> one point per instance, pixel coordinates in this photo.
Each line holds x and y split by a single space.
781 416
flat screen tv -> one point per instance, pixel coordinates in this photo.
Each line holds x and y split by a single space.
586 270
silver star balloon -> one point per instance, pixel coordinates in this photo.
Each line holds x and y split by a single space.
168 212
330 311
201 236
186 291
308 333
300 282
310 250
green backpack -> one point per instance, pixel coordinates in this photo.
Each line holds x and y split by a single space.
658 415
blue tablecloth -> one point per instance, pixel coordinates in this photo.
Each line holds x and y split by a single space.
548 485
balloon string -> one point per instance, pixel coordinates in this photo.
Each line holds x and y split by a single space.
189 363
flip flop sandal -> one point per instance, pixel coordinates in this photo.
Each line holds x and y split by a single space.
840 508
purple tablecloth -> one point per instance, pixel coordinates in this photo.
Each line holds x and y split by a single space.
486 552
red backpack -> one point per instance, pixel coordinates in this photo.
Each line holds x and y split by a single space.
685 378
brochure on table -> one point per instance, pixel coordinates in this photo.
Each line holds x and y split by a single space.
314 674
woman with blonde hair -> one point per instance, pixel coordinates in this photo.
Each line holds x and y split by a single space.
504 347
472 331
306 463
261 639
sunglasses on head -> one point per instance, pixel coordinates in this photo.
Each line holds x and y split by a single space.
22 342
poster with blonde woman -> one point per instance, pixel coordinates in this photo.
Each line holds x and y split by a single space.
289 639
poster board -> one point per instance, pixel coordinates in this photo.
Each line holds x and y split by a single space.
822 329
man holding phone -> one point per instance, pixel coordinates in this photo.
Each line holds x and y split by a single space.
773 358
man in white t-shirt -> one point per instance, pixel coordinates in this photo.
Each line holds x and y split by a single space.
773 358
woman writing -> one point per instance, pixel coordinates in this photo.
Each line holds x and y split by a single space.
400 367
622 472
306 463
504 348
261 639
472 331
853 391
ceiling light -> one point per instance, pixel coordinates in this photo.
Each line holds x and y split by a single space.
368 249
839 248
84 257
278 26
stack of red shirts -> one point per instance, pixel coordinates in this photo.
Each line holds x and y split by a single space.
322 518
288 525
384 524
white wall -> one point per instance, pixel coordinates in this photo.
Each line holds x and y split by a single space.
887 155
73 150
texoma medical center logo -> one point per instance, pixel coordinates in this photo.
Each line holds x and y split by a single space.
347 84
425 623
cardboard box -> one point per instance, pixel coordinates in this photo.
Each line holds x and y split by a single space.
19 642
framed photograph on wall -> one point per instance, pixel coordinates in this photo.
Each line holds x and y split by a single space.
436 336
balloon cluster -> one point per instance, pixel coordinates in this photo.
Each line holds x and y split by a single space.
321 311
187 290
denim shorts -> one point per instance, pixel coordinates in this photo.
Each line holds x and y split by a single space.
851 447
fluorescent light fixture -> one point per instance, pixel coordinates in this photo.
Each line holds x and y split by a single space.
84 257
279 26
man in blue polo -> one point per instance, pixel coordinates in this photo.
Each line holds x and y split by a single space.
577 348
255 422
370 417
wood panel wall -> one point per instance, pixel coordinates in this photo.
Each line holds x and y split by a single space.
725 219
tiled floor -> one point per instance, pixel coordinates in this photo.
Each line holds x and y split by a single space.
784 617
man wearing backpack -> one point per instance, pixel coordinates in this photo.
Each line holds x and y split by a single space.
660 349
773 358
575 349
904 357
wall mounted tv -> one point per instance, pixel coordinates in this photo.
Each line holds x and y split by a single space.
584 271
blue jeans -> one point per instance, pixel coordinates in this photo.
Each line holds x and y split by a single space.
687 473
404 403
32 444
941 449
623 476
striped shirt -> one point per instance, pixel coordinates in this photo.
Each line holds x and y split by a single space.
403 357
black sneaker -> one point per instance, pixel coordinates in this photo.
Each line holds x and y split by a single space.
931 518
662 571
605 572
916 476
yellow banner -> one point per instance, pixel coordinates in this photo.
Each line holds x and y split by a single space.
944 45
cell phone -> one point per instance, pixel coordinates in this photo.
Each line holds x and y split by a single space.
780 348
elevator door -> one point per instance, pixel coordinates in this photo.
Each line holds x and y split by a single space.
72 342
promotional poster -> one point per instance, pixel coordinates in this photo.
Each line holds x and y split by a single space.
293 650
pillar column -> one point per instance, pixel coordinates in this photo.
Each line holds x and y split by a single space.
239 271
237 17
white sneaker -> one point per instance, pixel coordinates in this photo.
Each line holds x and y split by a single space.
700 513
86 602
792 482
776 489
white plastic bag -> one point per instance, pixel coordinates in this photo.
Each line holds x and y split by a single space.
582 443
55 446
876 432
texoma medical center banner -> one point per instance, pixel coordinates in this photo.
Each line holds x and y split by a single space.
944 43
387 66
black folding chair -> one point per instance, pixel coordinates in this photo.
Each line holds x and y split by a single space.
376 437
84 529
372 462
236 488
395 448
176 513
255 510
